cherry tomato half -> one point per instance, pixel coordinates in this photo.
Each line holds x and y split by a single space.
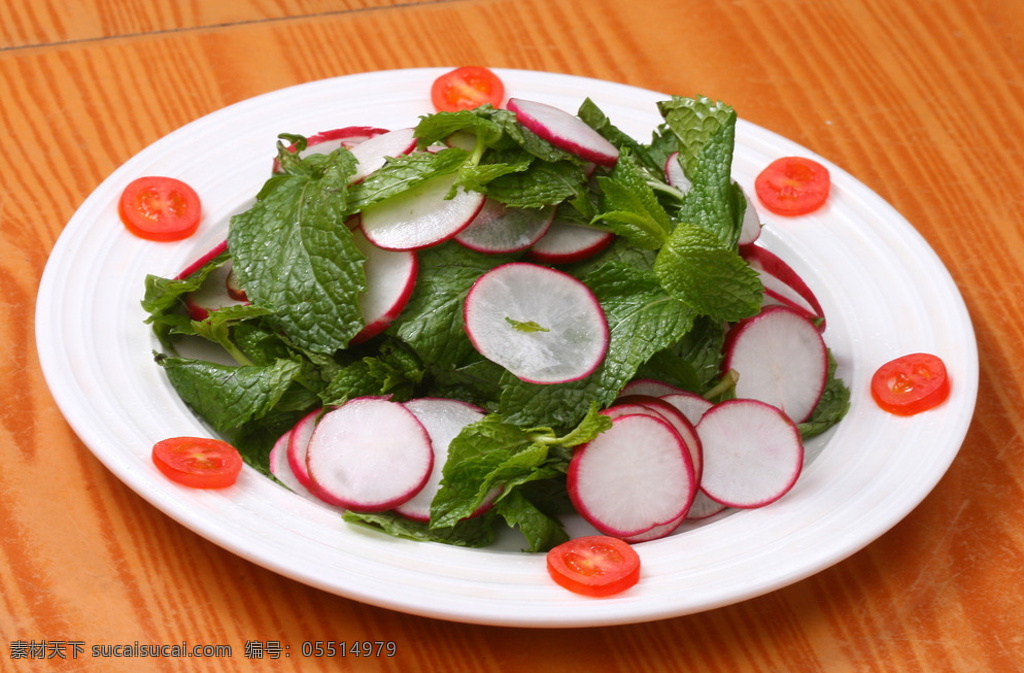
594 565
158 208
793 186
466 88
911 384
199 462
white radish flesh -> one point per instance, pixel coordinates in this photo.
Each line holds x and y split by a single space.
298 447
443 420
689 404
564 130
782 284
212 294
781 360
369 454
543 325
422 216
674 174
677 420
374 152
390 279
750 230
500 229
753 453
326 142
280 467
651 387
632 477
566 243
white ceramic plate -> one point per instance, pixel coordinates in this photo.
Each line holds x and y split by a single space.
883 289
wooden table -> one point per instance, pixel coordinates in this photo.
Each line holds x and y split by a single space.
922 100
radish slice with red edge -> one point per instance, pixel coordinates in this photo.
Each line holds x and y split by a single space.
674 174
564 130
390 279
298 448
372 153
280 467
750 229
541 324
566 243
782 283
781 360
677 420
632 477
326 142
498 228
370 454
203 260
443 420
213 294
651 387
421 217
753 453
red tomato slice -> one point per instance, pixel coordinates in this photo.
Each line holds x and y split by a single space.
793 186
595 565
160 209
466 88
199 462
911 384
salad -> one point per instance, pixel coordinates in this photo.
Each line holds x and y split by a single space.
378 350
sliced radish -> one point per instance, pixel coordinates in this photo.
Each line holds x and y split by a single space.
443 420
565 243
703 507
781 360
213 294
651 387
564 130
298 448
658 532
750 230
280 467
235 290
203 260
500 229
328 141
689 404
753 453
677 420
632 477
372 153
674 174
422 216
369 454
782 285
390 279
693 406
542 325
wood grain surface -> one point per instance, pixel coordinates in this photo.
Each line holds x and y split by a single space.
923 100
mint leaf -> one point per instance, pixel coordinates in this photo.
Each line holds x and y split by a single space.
438 127
475 532
294 255
400 174
700 270
630 207
431 323
542 184
831 408
229 396
487 454
542 532
707 134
